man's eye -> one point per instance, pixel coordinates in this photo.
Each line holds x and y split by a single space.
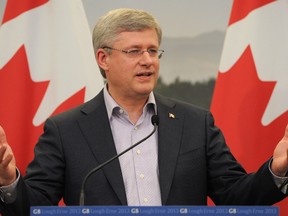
134 51
153 51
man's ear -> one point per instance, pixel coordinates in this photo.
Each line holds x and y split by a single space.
102 58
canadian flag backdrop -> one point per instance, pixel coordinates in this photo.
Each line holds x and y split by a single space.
250 100
47 65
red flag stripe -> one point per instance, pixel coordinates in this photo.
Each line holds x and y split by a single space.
13 9
239 12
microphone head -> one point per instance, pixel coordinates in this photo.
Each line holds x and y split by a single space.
155 120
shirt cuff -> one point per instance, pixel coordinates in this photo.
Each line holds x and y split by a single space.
8 193
281 182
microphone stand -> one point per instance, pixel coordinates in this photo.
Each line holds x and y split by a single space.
155 122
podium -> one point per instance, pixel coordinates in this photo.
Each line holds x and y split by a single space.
154 210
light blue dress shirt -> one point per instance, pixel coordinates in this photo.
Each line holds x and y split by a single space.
139 166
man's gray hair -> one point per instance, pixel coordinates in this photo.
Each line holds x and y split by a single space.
116 21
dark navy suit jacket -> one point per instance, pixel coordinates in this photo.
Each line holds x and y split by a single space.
194 162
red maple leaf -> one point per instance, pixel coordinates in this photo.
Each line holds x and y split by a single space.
239 101
20 100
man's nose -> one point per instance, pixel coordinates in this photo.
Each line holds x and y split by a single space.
146 59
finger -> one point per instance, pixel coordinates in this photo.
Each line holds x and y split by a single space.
2 136
7 160
286 133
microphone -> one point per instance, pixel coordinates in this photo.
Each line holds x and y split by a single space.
155 122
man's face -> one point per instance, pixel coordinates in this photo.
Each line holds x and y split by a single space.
133 76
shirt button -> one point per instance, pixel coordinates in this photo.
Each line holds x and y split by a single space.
138 152
142 176
121 111
145 200
136 128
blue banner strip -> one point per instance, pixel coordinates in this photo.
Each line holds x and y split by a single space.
155 210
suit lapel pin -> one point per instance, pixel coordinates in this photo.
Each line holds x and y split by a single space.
171 115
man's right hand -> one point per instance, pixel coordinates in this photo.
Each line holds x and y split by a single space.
7 161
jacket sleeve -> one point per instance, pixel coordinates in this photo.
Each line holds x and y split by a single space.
228 182
43 182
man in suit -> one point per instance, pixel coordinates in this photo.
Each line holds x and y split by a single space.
185 161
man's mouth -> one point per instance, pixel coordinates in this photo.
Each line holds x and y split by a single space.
145 74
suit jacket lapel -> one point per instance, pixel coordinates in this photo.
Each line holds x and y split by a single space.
95 125
169 139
